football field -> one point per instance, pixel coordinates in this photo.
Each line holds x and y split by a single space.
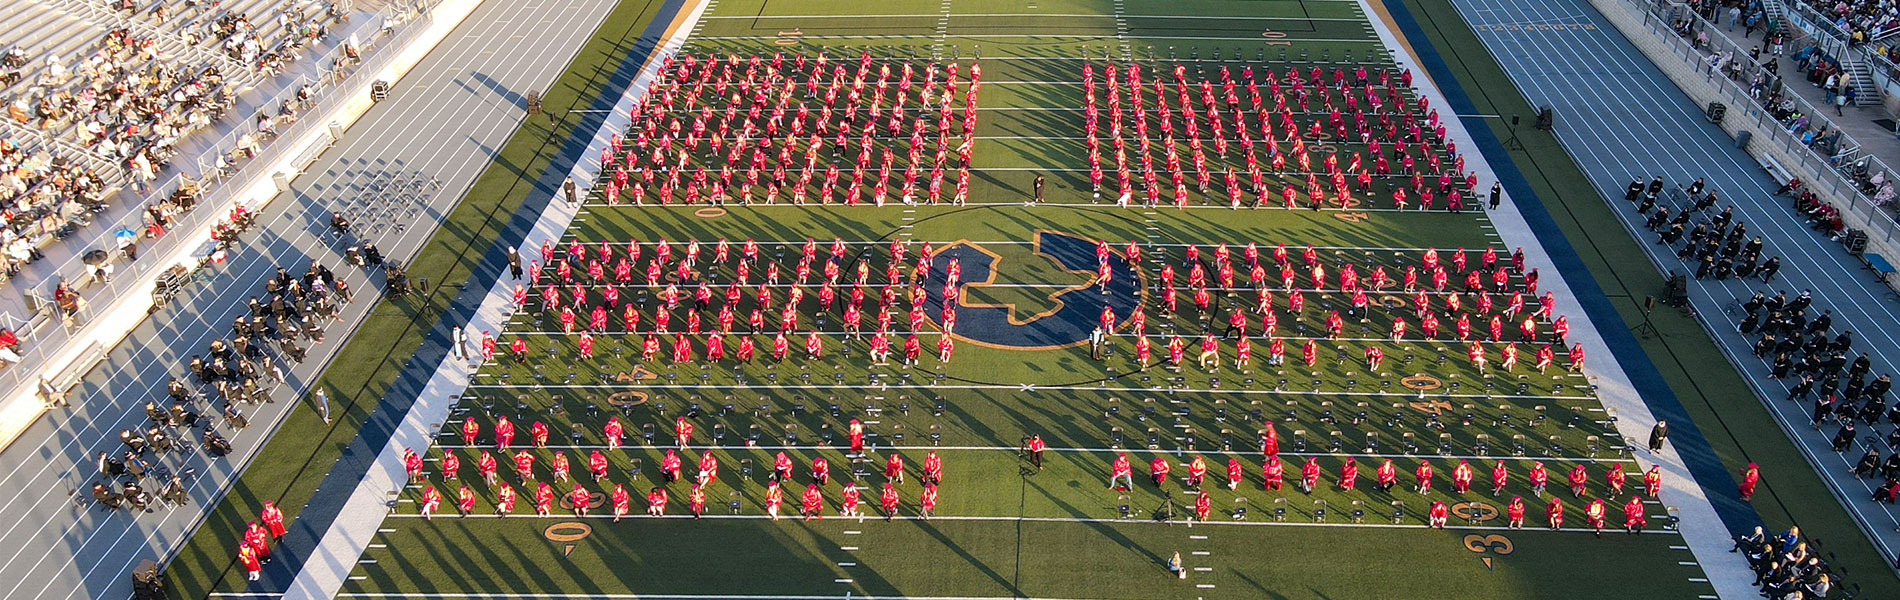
1218 256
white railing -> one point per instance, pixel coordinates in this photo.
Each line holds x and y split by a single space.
1660 17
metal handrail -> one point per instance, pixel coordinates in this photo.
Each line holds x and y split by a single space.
1660 14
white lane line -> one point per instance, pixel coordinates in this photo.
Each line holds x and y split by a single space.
273 251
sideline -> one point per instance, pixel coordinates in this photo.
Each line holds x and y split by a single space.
1695 476
350 529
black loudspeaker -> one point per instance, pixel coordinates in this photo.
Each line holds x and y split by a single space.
1856 242
1546 118
148 582
379 91
1678 290
1717 110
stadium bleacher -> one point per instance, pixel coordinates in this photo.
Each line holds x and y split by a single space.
101 95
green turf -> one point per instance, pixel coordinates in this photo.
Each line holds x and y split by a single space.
1005 530
290 467
1057 533
1729 413
1103 559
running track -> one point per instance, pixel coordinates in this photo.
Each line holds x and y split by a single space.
444 121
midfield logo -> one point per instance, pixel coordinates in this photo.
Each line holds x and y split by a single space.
1067 314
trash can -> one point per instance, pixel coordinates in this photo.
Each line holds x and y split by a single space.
1742 138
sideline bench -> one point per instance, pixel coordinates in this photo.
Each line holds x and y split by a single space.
1878 264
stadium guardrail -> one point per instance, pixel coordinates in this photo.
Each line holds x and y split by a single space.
1660 16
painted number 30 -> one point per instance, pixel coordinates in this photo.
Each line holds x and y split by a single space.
1487 545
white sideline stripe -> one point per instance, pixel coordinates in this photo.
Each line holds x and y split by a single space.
319 577
1700 527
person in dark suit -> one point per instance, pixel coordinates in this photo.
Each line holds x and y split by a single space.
1658 435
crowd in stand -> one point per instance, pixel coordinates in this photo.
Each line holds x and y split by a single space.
1862 20
126 104
41 195
1811 63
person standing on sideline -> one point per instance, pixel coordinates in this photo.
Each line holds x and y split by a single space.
459 343
1038 187
1497 195
322 400
1658 435
514 263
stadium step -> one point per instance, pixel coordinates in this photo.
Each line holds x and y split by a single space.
1862 75
170 44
